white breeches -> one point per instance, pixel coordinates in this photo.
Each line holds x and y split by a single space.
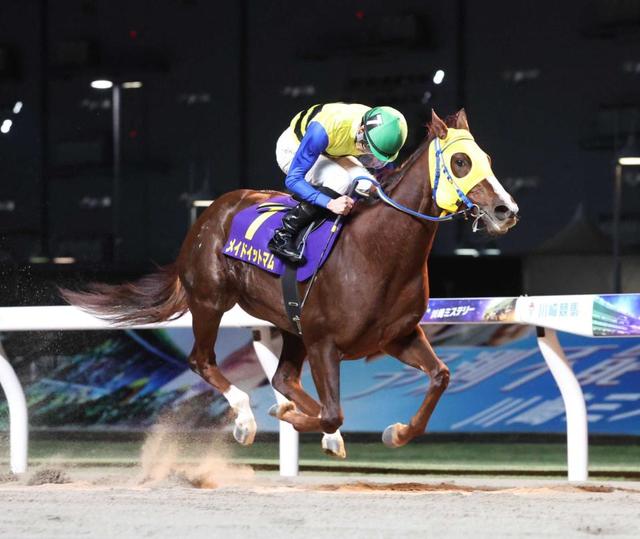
334 173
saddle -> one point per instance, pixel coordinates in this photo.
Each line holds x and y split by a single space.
253 227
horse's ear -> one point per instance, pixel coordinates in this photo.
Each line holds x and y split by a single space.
438 127
461 120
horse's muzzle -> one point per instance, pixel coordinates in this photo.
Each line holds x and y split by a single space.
499 220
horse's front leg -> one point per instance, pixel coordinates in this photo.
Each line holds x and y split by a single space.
415 350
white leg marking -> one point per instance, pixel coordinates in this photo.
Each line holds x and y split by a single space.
245 428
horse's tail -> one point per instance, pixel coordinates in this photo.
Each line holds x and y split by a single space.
153 298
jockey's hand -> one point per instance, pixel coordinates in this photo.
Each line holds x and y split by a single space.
341 205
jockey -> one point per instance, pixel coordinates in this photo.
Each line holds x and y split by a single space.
322 151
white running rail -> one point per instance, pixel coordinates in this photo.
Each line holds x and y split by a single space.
588 315
71 318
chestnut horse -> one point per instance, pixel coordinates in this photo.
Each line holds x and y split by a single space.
369 296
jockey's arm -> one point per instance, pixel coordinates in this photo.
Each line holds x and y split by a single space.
314 142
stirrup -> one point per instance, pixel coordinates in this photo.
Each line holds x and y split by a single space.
294 257
286 252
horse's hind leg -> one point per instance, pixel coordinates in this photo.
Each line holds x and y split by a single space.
287 377
287 381
202 360
325 368
416 351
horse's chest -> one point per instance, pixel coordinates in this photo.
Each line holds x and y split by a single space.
385 308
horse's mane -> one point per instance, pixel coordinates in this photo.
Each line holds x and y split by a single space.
392 178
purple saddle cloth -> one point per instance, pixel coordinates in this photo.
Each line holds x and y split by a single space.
253 227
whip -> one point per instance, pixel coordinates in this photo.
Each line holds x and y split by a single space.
334 229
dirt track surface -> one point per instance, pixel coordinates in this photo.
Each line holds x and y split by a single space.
122 503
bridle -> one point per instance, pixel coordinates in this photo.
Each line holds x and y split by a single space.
471 210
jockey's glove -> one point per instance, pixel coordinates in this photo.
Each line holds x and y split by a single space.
363 188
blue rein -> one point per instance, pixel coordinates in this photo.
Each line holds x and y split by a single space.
385 198
440 164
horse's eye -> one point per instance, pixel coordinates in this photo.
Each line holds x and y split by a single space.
460 163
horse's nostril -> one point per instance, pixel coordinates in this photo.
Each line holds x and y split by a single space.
502 212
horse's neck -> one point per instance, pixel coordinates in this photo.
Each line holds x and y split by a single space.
412 190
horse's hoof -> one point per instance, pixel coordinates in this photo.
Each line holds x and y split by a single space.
390 435
333 445
278 410
245 432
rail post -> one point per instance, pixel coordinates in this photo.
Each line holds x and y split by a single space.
268 349
18 419
574 404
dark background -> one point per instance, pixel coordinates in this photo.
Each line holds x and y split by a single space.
551 89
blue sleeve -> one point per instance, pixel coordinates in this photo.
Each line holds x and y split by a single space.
314 142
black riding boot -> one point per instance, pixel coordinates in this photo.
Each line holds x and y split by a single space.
283 242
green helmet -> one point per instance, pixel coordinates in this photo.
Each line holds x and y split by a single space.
385 131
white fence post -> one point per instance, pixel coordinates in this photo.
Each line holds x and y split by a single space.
574 404
266 349
18 419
